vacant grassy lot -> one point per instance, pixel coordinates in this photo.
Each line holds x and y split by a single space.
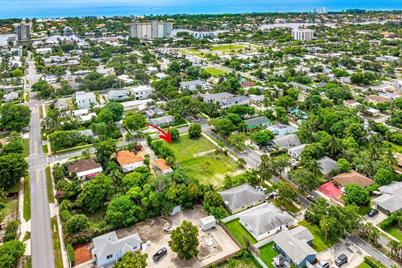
268 253
319 243
227 47
215 71
286 205
210 167
239 232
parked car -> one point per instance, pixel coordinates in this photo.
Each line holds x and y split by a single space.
272 195
311 198
341 260
373 212
159 254
323 264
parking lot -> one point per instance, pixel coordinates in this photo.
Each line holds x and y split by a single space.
354 254
215 244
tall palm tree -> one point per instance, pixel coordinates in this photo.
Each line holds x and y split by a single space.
334 146
376 144
313 166
393 245
389 158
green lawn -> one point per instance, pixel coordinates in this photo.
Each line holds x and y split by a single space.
58 258
227 47
239 232
27 199
268 253
395 232
45 149
215 71
11 207
364 265
395 147
26 147
319 244
208 168
49 185
288 206
244 260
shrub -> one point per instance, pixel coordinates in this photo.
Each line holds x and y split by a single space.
11 231
70 254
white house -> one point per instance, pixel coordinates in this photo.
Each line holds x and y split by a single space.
85 99
11 96
129 161
108 248
141 92
117 95
85 168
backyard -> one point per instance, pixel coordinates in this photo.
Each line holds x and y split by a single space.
395 232
198 159
319 243
268 253
239 232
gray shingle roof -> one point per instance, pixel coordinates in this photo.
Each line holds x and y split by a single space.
326 165
265 218
287 141
294 243
391 199
240 196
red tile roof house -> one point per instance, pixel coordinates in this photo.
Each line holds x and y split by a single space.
333 189
247 84
85 168
129 161
352 177
161 165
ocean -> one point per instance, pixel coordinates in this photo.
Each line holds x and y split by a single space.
79 8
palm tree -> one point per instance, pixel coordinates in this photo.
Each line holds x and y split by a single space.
376 144
266 169
393 245
389 158
333 146
129 137
313 166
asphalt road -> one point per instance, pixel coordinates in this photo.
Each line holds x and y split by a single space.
41 240
372 251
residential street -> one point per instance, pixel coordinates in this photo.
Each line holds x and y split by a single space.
372 251
41 240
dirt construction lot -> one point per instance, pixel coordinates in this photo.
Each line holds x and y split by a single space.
215 244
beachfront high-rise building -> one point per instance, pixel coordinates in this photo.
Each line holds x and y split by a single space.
23 32
150 29
302 34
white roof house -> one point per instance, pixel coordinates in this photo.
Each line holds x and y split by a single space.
161 121
282 129
193 85
295 152
141 92
108 248
11 96
136 104
225 99
85 99
265 220
117 94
